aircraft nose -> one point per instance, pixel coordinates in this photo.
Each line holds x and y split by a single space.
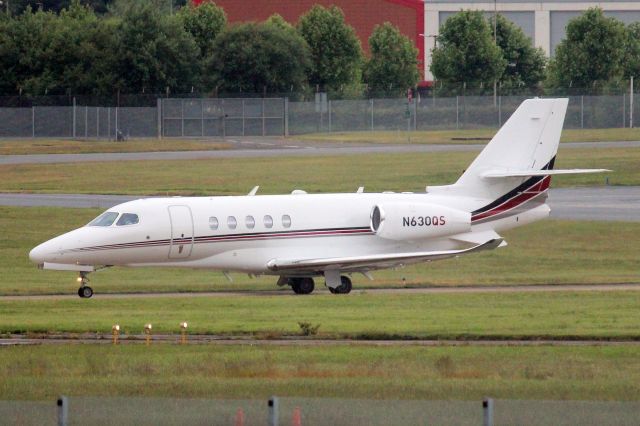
38 254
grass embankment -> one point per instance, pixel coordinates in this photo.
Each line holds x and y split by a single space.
553 315
377 172
67 146
548 252
474 136
589 373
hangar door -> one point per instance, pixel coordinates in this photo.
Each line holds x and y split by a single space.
181 232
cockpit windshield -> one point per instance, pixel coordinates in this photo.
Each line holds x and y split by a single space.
128 219
105 219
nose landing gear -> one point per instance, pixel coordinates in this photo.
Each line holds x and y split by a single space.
84 291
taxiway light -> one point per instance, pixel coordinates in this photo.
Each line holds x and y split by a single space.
79 279
115 331
147 328
183 333
183 325
147 331
115 328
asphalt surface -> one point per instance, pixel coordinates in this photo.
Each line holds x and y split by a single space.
597 203
273 149
16 340
396 291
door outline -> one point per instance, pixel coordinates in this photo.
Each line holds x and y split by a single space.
177 250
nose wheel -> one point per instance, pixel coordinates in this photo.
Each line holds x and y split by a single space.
84 291
344 287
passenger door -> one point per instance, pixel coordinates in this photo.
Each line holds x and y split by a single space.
181 232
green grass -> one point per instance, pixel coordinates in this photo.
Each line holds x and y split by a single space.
474 136
377 172
67 146
556 315
548 252
440 373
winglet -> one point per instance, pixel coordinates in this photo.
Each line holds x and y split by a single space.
253 191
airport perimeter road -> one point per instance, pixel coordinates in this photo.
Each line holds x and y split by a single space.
598 203
279 149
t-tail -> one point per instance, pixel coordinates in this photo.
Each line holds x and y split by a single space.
513 172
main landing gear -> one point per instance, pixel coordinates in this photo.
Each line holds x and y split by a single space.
302 285
84 291
344 287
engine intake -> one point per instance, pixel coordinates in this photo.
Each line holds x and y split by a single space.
417 221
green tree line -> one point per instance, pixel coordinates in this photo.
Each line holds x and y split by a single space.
597 53
144 47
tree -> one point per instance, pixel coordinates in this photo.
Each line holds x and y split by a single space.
204 23
336 55
56 6
152 51
393 66
631 60
467 52
259 57
525 64
592 51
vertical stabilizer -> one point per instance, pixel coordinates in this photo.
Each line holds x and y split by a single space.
528 141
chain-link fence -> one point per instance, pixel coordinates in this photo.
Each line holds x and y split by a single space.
238 117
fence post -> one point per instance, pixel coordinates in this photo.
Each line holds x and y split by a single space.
457 113
74 117
33 122
631 103
116 126
264 120
159 108
109 124
97 123
202 116
329 107
582 111
624 110
182 118
273 411
86 122
415 114
487 412
286 116
371 100
63 411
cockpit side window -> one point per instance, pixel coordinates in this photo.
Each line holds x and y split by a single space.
105 219
128 219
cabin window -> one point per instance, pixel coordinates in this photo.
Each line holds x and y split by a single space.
105 219
250 222
232 223
286 221
213 223
128 219
268 221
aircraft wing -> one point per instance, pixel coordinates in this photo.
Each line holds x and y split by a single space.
527 173
371 262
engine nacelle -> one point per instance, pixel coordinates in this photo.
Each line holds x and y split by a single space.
417 221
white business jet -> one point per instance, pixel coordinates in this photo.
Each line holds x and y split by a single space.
302 236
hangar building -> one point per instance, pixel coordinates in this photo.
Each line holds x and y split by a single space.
543 20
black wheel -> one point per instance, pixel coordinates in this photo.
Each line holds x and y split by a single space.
344 287
85 292
302 285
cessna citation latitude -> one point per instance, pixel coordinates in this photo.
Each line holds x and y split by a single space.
301 236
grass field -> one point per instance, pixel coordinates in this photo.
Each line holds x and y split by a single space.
68 146
588 373
557 315
474 136
394 172
581 252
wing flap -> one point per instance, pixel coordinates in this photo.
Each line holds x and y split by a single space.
357 263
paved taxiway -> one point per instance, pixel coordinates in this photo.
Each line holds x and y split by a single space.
276 149
596 203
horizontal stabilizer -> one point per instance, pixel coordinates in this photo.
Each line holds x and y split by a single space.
527 173
376 261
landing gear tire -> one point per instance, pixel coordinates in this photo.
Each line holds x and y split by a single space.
344 287
85 292
302 285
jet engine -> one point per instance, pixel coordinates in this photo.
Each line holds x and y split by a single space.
417 221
